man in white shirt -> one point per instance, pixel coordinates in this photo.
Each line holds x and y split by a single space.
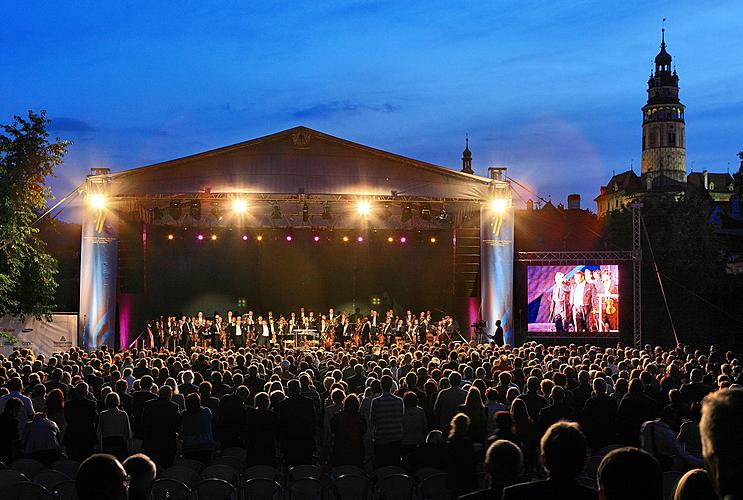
238 332
264 332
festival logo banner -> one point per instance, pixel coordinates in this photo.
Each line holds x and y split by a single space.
496 256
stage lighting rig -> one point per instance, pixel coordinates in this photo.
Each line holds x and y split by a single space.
443 216
498 205
276 212
326 212
239 206
175 210
364 208
426 211
216 210
386 213
157 213
195 209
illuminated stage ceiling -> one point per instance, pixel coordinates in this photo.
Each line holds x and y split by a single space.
294 168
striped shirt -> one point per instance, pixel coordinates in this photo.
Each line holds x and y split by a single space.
387 412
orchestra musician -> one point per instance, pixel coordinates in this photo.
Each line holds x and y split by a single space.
263 333
216 330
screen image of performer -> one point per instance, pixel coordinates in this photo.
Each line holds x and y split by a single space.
582 299
559 304
608 287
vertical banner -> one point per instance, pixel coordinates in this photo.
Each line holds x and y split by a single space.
496 268
98 274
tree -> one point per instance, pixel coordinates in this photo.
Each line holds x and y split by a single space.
27 271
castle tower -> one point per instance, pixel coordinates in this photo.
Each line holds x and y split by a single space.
467 157
663 141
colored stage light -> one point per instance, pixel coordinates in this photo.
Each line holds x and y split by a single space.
200 237
214 237
245 237
170 236
316 239
345 239
390 239
403 239
288 237
360 239
433 239
259 237
364 208
97 201
498 204
239 205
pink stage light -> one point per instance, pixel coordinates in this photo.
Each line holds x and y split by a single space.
360 239
200 237
316 239
403 239
288 237
245 237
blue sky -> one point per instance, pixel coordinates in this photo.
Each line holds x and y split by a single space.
553 90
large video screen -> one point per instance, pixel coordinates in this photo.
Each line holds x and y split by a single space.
573 300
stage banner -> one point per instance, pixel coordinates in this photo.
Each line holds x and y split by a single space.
98 274
496 270
43 337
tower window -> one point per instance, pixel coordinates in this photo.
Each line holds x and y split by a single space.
671 138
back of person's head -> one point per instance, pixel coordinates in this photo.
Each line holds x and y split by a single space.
262 401
459 425
142 472
629 473
12 407
193 402
101 476
386 383
351 403
599 386
455 379
695 485
563 450
410 399
293 387
504 463
435 437
15 384
557 394
166 393
722 440
636 387
112 400
503 420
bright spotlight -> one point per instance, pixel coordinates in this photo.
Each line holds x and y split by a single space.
289 237
200 237
363 207
239 205
433 239
214 237
259 237
170 236
498 204
390 239
360 239
245 237
316 239
97 201
403 240
345 239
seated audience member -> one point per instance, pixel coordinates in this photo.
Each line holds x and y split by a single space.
629 473
348 427
431 454
722 441
504 464
102 477
142 473
564 450
659 440
695 485
689 432
461 472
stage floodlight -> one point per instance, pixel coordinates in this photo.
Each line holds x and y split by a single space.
364 208
276 212
216 210
443 216
326 212
407 213
194 209
175 210
245 237
200 237
259 237
97 201
403 239
170 237
305 213
498 204
316 239
360 239
239 206
390 239
214 237
433 239
345 239
289 238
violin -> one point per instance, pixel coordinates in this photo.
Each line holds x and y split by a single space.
611 307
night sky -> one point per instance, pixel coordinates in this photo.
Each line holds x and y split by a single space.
553 90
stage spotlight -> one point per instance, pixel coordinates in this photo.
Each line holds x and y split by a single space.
239 206
345 239
360 239
97 201
170 236
245 237
195 209
390 239
433 239
175 210
276 212
326 212
305 213
315 239
214 237
426 212
259 237
498 204
407 213
443 216
289 238
364 208
403 239
200 237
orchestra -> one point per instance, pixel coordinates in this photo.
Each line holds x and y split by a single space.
306 328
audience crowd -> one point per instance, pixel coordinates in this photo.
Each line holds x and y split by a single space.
534 421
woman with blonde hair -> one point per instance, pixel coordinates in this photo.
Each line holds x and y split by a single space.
477 413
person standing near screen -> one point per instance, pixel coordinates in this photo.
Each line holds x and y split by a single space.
559 302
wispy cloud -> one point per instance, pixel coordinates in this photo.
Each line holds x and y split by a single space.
335 107
66 124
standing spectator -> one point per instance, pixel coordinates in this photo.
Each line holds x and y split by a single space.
659 440
533 399
635 409
461 475
261 437
695 390
558 410
297 424
526 432
629 473
598 419
196 420
722 441
448 401
55 410
233 418
414 425
689 435
348 427
139 399
114 430
563 456
10 439
474 408
387 413
82 418
161 421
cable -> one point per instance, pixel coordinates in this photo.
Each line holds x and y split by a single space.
75 191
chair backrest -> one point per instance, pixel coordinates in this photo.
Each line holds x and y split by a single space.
169 489
66 490
351 487
304 471
28 491
191 464
592 466
223 472
240 453
214 489
589 482
262 471
180 473
389 470
50 478
425 472
602 452
262 488
236 463
9 477
344 470
670 481
67 467
434 487
306 488
396 487
27 467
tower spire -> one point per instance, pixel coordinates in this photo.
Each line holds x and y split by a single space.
467 156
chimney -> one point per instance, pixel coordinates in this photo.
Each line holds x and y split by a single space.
705 174
573 202
529 205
